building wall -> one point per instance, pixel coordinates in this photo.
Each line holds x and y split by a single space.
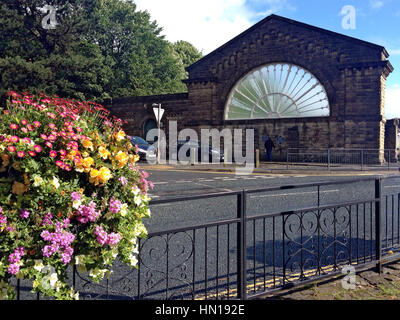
353 73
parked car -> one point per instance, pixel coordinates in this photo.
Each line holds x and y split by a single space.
213 154
145 150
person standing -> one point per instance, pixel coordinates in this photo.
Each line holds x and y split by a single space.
269 145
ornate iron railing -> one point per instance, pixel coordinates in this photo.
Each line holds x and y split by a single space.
252 254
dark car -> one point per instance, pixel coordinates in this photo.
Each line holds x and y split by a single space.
145 150
214 155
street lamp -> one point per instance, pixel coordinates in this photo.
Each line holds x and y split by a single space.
158 112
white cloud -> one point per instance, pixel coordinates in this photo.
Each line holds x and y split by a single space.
392 108
376 4
208 24
394 52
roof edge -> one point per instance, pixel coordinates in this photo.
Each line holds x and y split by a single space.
294 22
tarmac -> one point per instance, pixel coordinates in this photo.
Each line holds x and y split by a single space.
281 168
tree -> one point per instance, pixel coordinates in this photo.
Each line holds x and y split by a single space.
56 61
187 52
97 49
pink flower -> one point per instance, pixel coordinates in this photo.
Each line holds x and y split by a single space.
12 149
52 126
30 127
49 144
36 124
51 115
25 130
13 126
123 180
24 214
37 148
27 140
53 153
32 153
21 154
13 268
52 137
14 139
24 122
43 136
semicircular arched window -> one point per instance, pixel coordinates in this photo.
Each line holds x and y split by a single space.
276 91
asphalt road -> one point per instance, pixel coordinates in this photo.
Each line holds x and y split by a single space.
202 260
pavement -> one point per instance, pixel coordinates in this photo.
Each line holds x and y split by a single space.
367 285
309 169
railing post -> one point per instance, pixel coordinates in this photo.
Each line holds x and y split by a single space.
362 160
329 159
378 222
241 246
287 158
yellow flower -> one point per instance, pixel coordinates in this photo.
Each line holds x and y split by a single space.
120 135
87 162
122 158
94 173
105 174
100 176
104 153
37 181
84 164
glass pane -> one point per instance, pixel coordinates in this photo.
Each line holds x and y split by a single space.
277 91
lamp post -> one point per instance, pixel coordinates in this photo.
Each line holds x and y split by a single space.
158 113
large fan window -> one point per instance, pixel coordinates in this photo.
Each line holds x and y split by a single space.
277 91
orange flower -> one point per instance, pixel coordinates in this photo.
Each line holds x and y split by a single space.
87 144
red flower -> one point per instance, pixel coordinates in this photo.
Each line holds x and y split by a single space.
32 153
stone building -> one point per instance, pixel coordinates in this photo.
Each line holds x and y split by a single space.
312 87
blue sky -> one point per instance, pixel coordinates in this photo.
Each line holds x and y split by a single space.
208 24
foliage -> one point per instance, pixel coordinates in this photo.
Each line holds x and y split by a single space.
187 52
70 192
98 49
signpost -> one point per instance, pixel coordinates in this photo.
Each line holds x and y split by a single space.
158 112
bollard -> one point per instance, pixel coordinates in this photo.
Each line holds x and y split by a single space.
257 158
192 156
225 157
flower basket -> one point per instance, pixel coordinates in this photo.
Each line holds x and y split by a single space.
71 192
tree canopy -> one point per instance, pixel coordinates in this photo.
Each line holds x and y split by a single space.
88 49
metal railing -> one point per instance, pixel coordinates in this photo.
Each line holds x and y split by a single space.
256 253
331 159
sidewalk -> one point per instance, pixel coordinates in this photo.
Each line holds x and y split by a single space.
369 285
309 169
